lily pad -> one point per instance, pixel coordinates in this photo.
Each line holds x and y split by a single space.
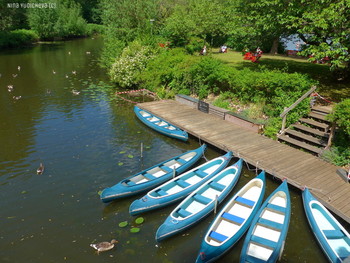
139 220
99 192
121 152
135 230
131 156
123 224
120 163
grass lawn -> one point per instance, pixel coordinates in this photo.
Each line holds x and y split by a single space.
328 87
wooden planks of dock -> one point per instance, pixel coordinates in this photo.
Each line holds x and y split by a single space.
280 160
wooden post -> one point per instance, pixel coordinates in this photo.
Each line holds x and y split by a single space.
331 136
284 121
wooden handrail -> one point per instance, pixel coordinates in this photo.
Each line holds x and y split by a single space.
283 115
286 110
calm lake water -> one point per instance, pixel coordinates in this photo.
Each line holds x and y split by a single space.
88 142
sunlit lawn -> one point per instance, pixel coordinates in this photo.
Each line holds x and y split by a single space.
328 86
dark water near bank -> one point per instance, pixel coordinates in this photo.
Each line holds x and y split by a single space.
88 142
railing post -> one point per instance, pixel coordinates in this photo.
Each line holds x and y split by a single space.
331 136
284 119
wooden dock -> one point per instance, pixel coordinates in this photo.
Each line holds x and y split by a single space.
280 160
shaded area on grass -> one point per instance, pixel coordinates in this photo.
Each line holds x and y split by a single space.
328 86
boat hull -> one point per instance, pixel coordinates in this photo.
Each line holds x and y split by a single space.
178 188
200 202
160 125
266 236
330 234
146 179
233 220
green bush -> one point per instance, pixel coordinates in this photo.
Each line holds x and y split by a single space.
133 60
61 22
341 115
93 29
17 38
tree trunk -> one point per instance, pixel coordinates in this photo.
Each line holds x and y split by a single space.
274 48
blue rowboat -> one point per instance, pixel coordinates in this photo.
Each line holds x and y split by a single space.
265 239
153 176
233 220
160 125
200 202
330 234
178 188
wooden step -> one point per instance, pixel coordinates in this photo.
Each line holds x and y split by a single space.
310 130
300 144
323 109
314 123
319 116
306 137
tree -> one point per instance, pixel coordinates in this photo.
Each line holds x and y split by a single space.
64 20
206 19
260 23
324 25
12 16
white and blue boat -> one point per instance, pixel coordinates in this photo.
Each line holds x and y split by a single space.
153 176
178 188
266 236
200 202
233 220
160 125
330 234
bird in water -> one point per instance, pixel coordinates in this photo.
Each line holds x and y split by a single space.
10 88
53 72
19 68
104 246
17 97
75 92
41 168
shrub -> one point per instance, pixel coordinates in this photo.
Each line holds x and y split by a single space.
93 29
64 21
127 68
17 38
341 115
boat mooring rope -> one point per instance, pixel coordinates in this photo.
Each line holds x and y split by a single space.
200 144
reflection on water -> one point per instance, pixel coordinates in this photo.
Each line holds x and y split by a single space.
88 142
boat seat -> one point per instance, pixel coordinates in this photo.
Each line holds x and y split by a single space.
161 192
333 234
218 236
263 241
277 208
250 258
183 213
245 201
202 199
217 186
233 218
182 183
201 173
149 176
166 169
181 161
128 182
153 119
270 223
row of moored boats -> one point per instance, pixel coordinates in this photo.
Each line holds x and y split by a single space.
199 191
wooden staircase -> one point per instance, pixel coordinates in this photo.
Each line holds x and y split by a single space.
310 133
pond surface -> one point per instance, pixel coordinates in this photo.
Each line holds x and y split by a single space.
88 142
